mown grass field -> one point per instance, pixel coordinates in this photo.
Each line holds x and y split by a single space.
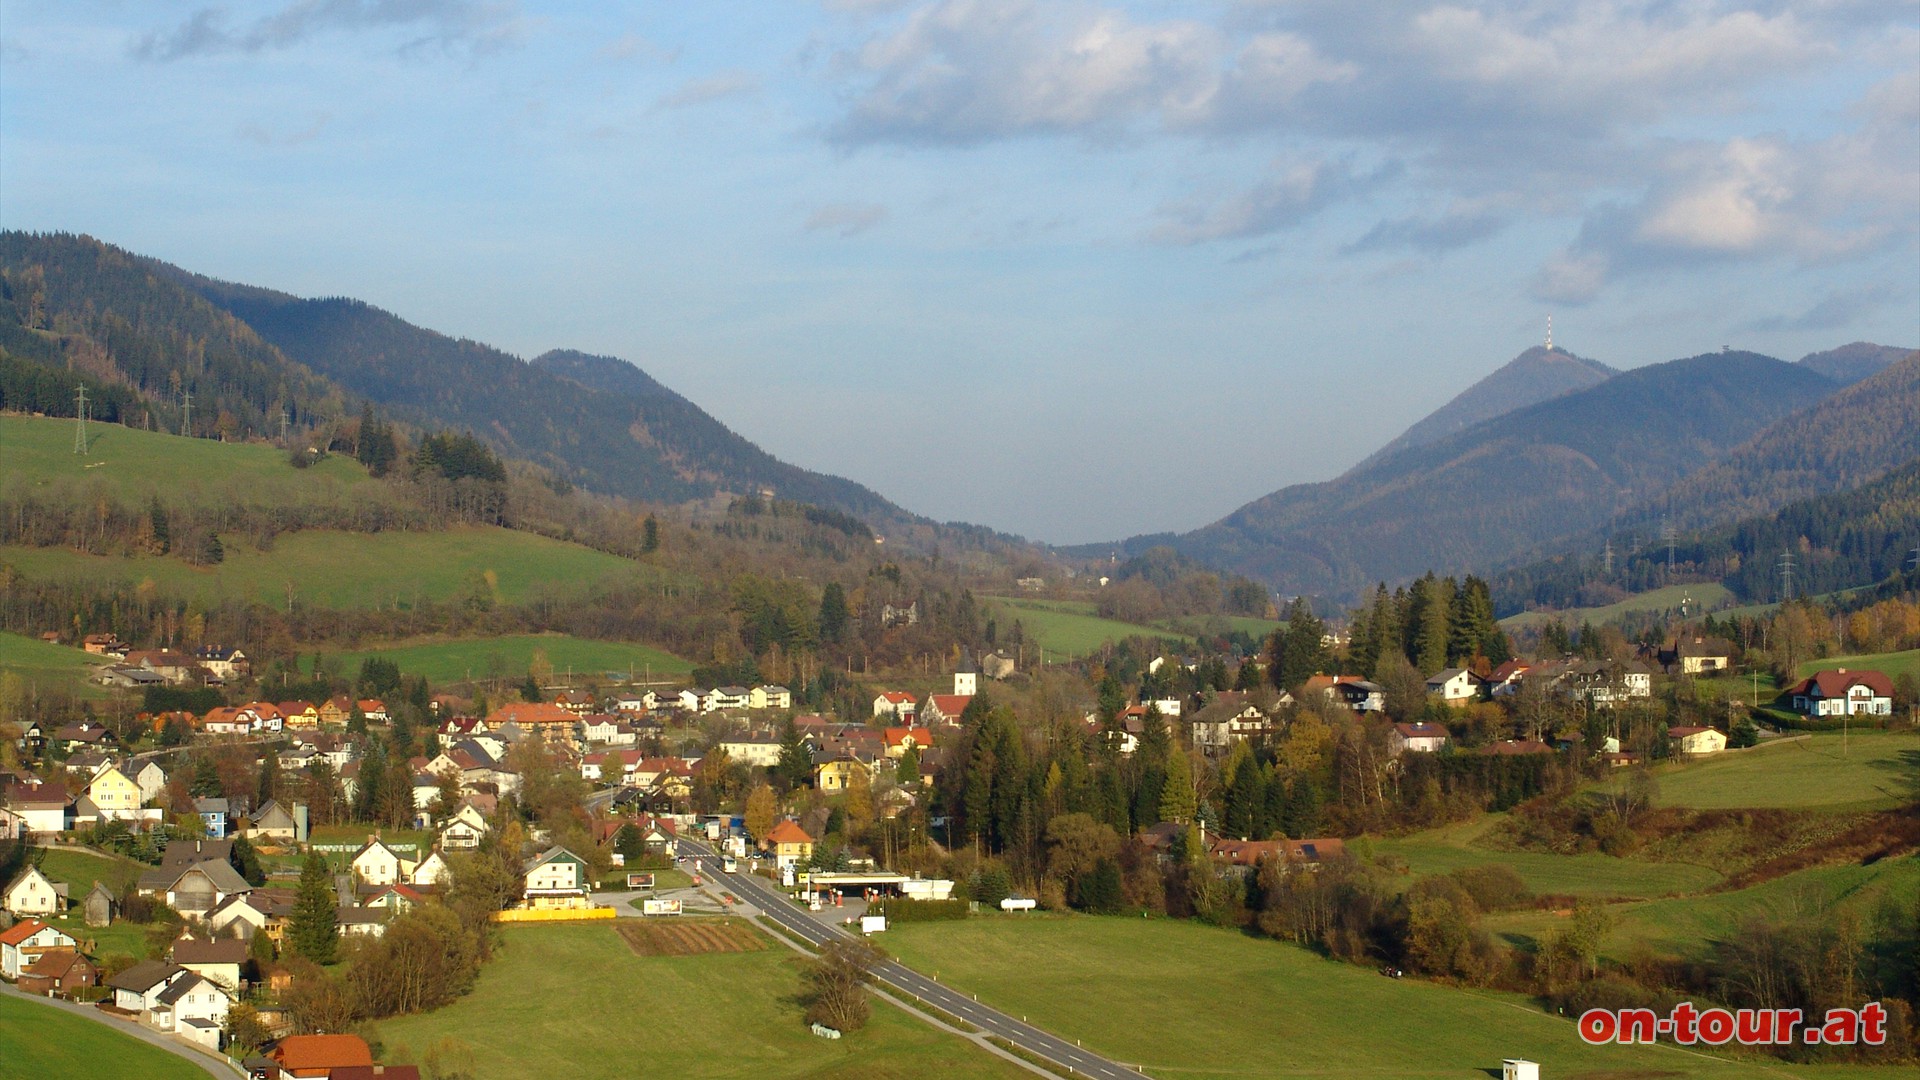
134 464
574 1001
1189 1001
79 868
1706 596
38 1040
1067 629
1894 664
45 666
353 570
509 657
1456 847
1863 770
1689 928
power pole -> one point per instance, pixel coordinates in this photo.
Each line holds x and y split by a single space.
80 420
1667 534
1606 559
1786 576
186 413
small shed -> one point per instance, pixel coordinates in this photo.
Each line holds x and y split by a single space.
1519 1069
100 905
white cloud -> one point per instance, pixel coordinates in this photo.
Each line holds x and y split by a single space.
1291 193
469 24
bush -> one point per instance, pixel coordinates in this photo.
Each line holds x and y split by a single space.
1495 887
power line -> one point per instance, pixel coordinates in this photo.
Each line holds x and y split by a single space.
1786 576
80 420
186 412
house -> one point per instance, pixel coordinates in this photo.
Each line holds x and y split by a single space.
203 886
214 816
687 700
318 1056
394 898
1455 686
25 942
997 666
375 1072
945 709
600 727
1697 740
610 767
725 697
429 871
223 663
1697 654
1360 695
550 722
352 920
754 751
176 668
377 864
85 735
1249 854
899 740
464 830
577 702
103 645
1418 738
837 773
373 709
32 893
41 813
100 905
138 988
221 961
229 720
1506 678
1840 692
557 878
272 821
895 705
1232 716
59 973
791 844
149 777
770 697
299 715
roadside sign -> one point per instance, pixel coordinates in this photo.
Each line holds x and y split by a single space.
640 881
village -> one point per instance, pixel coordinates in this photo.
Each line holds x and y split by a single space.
637 773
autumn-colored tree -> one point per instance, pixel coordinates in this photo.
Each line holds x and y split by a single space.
760 813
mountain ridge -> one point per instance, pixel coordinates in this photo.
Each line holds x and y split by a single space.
1538 374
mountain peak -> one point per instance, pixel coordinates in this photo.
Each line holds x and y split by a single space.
1536 375
1850 363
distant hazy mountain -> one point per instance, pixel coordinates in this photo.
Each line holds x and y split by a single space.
1539 374
1851 363
1500 488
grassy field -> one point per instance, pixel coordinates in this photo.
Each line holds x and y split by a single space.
79 868
1894 664
574 1001
39 1040
1067 629
134 464
1706 596
1455 847
349 570
44 666
1198 1002
508 657
1689 928
1878 770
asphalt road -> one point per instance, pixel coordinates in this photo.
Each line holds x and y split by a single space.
778 907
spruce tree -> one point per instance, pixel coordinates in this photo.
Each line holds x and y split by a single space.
312 930
1178 800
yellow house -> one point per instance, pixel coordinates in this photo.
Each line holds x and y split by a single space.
1697 740
300 715
836 775
115 794
791 844
336 711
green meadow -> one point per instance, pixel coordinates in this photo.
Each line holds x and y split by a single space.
1457 847
510 657
38 1040
573 1000
1867 769
1705 596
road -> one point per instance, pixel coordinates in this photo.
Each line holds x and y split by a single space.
781 909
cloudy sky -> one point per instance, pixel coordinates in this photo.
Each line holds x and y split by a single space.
1075 270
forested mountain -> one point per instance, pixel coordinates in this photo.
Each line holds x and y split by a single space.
1539 374
1829 445
78 310
1851 363
1843 540
1500 488
619 435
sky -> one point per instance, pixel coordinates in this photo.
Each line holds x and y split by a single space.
1072 270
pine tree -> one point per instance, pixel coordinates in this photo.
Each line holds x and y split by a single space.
1303 809
1178 800
649 535
1244 800
313 931
907 772
1297 650
833 612
1273 810
530 690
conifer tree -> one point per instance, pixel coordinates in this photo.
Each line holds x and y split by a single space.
312 930
1178 800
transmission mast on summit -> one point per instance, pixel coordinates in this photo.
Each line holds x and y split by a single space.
1549 333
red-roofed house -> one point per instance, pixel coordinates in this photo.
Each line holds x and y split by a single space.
1844 693
1249 853
898 739
945 708
317 1056
550 722
1418 738
26 941
791 844
897 704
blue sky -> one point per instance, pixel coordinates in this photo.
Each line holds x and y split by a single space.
1074 270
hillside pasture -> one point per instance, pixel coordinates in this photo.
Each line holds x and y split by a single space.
1066 629
1704 597
509 657
1457 847
134 465
1863 770
1894 664
561 1000
39 1040
1209 1004
341 570
44 666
